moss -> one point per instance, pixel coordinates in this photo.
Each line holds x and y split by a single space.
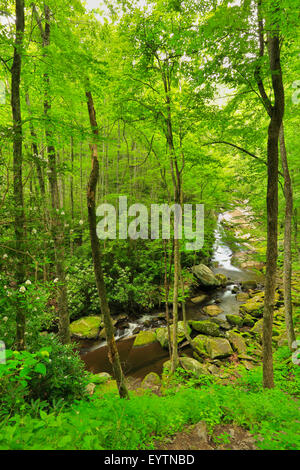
86 327
234 320
145 337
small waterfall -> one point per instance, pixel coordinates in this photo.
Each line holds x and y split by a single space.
222 253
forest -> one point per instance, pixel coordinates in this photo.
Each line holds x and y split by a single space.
149 229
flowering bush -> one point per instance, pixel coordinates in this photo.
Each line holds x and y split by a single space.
33 299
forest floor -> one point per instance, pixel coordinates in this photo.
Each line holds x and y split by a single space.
196 437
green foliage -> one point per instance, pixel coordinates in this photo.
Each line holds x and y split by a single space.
34 298
52 374
111 423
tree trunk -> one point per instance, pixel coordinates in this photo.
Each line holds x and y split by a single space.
113 354
287 266
35 152
57 229
272 207
17 167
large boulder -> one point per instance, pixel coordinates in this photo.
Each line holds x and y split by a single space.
190 365
212 310
237 342
205 327
200 344
205 276
218 348
162 334
145 337
86 327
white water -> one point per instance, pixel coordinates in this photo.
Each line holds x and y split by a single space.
222 253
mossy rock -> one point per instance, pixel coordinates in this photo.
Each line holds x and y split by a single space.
152 381
205 276
162 334
205 327
225 325
242 296
234 320
251 284
145 337
86 327
252 307
199 299
190 365
200 343
218 348
212 310
100 378
258 328
248 321
255 305
221 278
237 342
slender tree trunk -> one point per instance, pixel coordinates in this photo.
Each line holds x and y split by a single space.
17 167
167 289
287 266
57 229
35 152
113 354
272 206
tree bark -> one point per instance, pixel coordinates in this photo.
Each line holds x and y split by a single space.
113 354
17 168
272 206
287 263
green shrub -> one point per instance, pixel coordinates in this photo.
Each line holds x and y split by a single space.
54 373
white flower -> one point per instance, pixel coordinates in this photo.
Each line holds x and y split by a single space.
62 213
80 222
5 256
8 293
22 289
56 279
5 318
28 282
37 298
4 287
67 225
34 231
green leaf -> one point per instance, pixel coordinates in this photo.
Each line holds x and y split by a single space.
40 368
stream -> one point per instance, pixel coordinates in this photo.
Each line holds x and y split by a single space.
139 361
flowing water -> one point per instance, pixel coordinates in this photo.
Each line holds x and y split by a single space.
139 361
